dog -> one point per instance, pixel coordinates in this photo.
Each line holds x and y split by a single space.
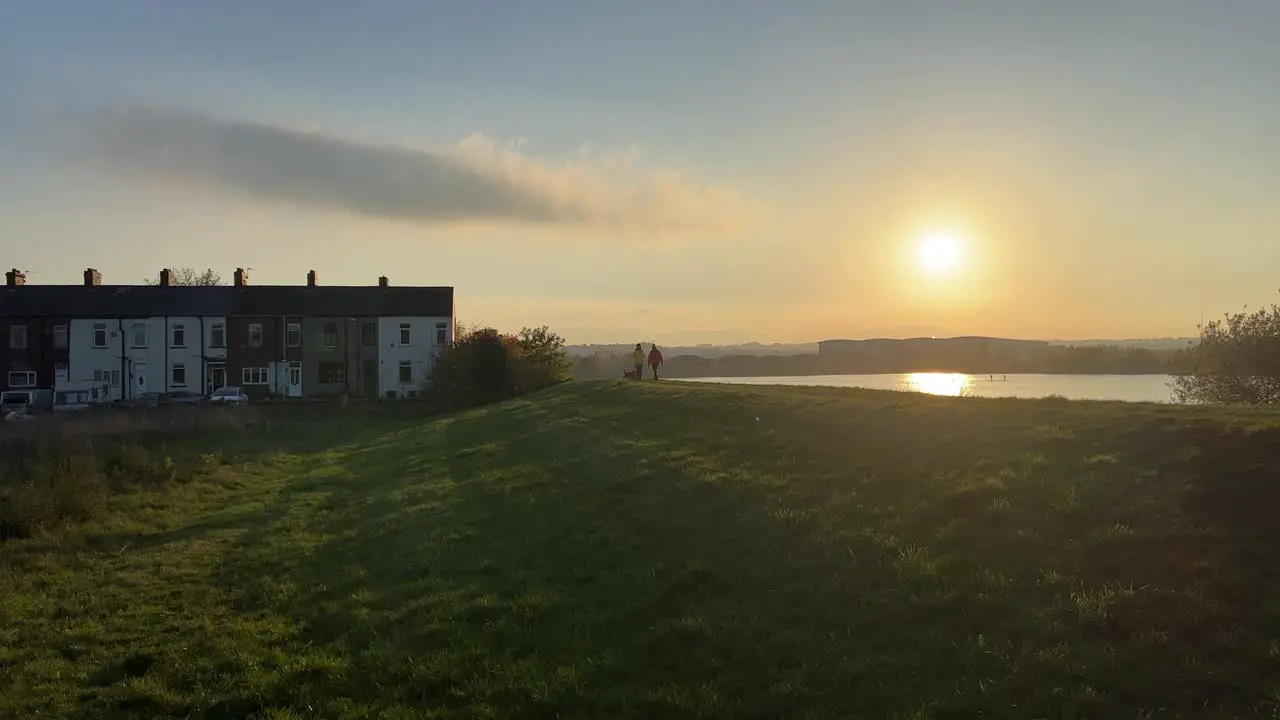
630 375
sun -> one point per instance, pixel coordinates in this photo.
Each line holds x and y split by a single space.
938 252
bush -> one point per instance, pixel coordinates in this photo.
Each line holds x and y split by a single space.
1237 361
484 366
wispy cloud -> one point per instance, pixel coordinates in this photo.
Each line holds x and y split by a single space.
478 180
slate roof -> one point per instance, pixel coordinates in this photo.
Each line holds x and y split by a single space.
112 301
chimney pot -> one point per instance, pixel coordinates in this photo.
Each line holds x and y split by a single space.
166 278
382 281
15 278
92 278
311 278
241 277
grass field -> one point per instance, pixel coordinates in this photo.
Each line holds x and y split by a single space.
666 550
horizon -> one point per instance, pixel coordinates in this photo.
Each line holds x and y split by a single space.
770 175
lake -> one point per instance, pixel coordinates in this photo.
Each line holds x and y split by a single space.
1129 388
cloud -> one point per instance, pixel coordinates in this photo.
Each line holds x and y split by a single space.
479 180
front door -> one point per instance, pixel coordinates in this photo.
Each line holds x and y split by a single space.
295 379
139 379
217 377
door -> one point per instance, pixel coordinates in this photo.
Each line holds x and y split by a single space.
295 379
370 385
217 376
139 379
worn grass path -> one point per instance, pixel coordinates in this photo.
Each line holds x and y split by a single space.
653 550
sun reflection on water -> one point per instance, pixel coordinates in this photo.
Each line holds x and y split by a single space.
953 384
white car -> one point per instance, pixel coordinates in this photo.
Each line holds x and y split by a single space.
233 395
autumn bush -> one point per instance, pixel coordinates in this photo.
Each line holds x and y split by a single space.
485 366
1237 361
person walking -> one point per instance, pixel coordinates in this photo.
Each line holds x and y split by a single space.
637 356
655 359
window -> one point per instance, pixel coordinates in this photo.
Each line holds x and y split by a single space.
179 335
115 378
333 373
255 334
22 378
99 335
406 373
98 375
217 335
60 337
178 374
111 376
18 337
369 334
405 335
253 376
331 335
442 333
138 335
293 335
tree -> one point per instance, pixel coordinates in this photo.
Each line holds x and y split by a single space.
484 366
1236 361
189 276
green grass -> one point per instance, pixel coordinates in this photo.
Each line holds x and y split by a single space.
666 550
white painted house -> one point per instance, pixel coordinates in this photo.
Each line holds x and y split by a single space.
149 355
407 349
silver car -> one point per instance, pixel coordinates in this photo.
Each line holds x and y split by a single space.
225 395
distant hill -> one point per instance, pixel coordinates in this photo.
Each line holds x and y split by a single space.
710 351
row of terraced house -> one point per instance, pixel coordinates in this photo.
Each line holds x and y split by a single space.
272 340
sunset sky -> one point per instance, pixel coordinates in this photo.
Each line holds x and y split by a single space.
668 170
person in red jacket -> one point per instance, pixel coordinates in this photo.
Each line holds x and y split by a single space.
655 359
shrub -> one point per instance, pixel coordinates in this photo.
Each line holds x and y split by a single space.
1236 361
484 366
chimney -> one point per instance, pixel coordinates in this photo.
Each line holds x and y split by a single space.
311 278
241 277
382 281
92 278
15 278
166 278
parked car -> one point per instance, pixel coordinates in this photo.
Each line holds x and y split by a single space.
232 395
182 397
25 402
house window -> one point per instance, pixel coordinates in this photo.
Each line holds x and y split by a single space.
217 335
22 379
178 374
115 378
333 373
138 335
442 333
406 373
99 335
330 335
255 334
405 335
254 376
293 335
369 334
107 376
17 337
179 336
60 337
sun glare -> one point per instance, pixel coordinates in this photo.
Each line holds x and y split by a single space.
938 252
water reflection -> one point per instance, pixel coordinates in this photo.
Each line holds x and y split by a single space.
953 384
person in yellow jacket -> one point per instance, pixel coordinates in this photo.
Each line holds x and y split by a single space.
638 357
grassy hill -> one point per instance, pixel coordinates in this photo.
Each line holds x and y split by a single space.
671 550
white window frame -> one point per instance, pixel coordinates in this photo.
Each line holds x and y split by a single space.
133 334
324 331
115 378
442 333
28 380
18 337
218 335
99 328
293 335
406 334
173 375
400 376
174 330
61 337
255 329
255 376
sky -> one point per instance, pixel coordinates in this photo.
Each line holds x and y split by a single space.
670 170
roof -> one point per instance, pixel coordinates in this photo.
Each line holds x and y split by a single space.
111 301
